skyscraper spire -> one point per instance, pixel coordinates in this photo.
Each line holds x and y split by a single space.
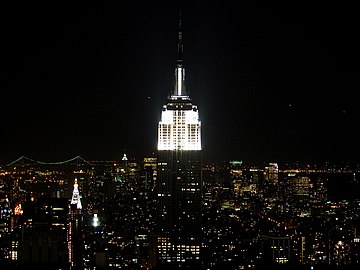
76 196
180 130
179 90
180 44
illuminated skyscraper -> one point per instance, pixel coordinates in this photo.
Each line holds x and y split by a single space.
179 186
75 241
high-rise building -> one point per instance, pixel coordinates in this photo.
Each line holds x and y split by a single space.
179 182
75 241
43 243
150 171
275 250
272 173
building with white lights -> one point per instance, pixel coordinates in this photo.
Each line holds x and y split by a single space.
179 184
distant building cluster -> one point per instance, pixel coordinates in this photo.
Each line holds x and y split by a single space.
257 217
104 215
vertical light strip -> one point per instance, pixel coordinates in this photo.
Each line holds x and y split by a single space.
179 81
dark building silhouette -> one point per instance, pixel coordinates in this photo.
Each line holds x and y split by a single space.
43 242
276 250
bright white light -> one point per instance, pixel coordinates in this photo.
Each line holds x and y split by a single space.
179 130
76 196
167 117
95 220
179 81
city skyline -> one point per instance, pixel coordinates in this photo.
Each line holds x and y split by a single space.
306 215
114 165
94 87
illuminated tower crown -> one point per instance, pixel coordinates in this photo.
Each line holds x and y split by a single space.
76 196
180 127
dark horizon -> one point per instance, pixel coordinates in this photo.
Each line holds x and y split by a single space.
91 81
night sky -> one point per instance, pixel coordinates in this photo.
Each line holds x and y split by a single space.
272 83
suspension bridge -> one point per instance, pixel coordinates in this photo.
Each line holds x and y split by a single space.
26 160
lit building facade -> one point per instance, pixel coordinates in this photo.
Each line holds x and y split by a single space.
179 184
150 170
75 241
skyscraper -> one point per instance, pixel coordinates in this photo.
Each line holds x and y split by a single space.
75 230
43 234
179 186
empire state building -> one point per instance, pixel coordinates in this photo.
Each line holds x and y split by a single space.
179 187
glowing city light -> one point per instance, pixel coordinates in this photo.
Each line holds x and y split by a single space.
95 220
